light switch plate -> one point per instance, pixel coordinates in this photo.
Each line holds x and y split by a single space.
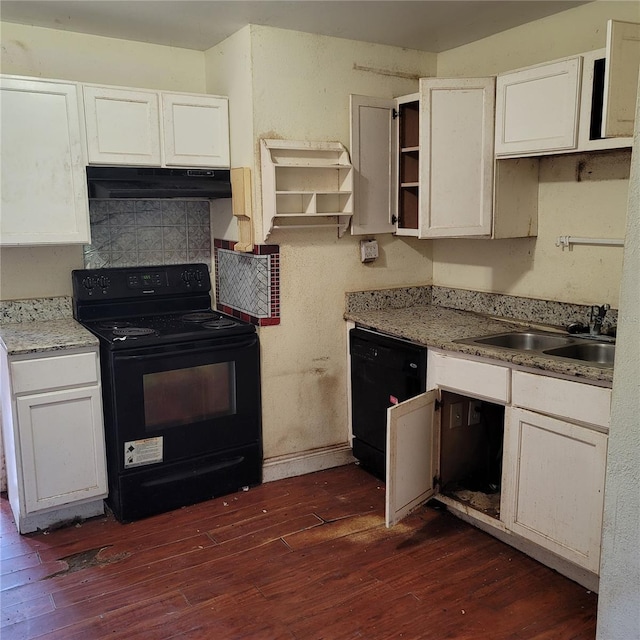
368 250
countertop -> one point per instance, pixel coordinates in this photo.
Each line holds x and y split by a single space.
438 327
45 335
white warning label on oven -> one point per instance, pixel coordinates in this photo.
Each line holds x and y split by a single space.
141 452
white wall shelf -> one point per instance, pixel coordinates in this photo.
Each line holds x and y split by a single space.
305 184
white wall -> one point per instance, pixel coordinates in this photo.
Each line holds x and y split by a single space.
574 198
619 598
52 53
300 86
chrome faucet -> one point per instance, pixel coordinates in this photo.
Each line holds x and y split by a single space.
596 318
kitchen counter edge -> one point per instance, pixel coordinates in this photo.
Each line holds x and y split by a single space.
41 336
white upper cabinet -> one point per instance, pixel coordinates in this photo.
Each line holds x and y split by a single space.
150 128
424 166
456 157
123 126
44 191
196 130
583 103
537 108
621 78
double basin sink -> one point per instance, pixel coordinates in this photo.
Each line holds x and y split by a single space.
592 351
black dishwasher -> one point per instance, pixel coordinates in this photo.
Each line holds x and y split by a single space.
384 372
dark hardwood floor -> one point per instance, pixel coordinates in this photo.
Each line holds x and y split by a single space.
303 558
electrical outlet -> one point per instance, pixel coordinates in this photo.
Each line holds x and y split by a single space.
475 412
456 415
368 250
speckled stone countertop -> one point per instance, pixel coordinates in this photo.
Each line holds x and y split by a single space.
45 335
438 327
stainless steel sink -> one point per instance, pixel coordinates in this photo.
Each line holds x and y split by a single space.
551 345
525 341
592 352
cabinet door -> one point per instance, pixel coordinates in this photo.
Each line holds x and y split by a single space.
411 455
195 130
44 190
456 156
62 447
374 149
621 78
123 126
537 108
554 479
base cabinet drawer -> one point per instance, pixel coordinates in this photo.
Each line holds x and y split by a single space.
40 374
563 398
473 378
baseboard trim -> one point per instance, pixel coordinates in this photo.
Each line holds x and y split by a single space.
299 464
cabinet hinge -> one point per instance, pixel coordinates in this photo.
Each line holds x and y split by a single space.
436 482
438 404
395 113
394 219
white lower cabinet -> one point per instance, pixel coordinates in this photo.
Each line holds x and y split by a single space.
54 438
518 454
554 491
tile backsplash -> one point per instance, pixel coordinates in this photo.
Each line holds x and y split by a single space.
248 284
129 233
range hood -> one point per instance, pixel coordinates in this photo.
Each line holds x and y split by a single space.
148 182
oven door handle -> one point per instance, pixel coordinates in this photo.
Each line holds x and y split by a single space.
240 344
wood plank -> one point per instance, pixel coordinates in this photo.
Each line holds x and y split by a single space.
305 557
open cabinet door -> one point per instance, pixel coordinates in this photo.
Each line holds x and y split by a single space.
411 455
374 148
621 78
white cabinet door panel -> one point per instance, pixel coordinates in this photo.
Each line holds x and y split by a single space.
374 149
411 451
123 126
537 108
621 78
44 190
456 142
62 445
195 130
555 479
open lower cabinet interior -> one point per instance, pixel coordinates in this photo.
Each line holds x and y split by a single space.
471 437
458 456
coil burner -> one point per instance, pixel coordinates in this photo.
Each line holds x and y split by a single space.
219 323
200 316
133 332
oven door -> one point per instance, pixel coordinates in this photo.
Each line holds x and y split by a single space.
177 402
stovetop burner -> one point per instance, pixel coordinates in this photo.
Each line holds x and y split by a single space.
133 332
114 324
219 323
200 316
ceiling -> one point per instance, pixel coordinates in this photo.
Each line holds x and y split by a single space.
432 25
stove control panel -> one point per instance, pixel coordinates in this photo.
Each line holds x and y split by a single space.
121 283
146 280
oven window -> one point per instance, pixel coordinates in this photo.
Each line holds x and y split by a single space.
185 396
